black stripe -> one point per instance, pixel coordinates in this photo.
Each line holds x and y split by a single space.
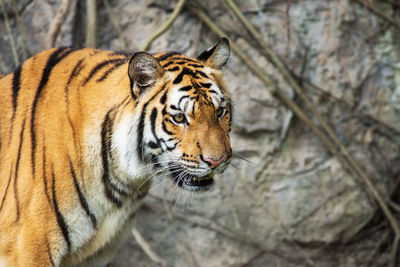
16 84
101 65
174 68
213 91
53 60
82 198
104 157
184 71
110 70
75 72
202 74
66 50
174 107
164 98
167 64
172 148
153 145
181 99
206 85
165 128
153 118
6 191
186 88
21 138
60 218
164 110
46 191
196 65
139 148
180 62
166 55
185 59
230 115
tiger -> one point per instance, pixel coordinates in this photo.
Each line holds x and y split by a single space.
83 133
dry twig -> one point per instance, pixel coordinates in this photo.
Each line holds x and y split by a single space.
9 33
287 22
166 24
394 206
91 23
395 251
379 13
146 247
115 24
392 2
58 20
21 35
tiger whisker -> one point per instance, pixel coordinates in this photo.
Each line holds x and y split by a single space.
242 158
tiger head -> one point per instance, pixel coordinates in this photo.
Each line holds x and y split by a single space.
185 115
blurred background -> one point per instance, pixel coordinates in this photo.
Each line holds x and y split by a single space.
316 129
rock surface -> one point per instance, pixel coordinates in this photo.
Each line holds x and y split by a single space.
291 200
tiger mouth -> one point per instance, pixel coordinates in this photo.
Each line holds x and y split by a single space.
191 182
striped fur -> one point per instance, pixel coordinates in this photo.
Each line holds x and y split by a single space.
82 131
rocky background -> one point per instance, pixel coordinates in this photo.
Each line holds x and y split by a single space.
285 201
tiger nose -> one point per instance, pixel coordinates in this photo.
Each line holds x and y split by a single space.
214 163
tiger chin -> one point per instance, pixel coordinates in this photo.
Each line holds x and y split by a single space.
83 132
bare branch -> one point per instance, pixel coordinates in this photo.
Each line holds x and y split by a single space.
395 252
166 25
379 13
115 24
57 22
91 23
9 33
146 247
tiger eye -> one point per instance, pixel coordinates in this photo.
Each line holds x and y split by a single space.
178 117
219 112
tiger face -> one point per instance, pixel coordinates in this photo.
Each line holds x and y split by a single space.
187 126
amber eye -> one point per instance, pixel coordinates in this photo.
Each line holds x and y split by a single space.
178 118
220 112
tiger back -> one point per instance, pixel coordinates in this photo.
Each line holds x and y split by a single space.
83 133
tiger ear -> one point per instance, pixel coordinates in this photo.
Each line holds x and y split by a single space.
144 70
216 56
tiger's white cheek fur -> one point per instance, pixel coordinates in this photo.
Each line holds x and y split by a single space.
124 144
